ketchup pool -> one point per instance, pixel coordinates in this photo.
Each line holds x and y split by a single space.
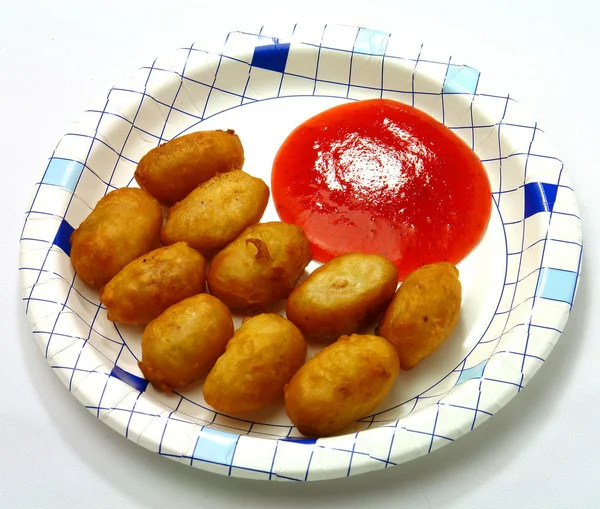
379 176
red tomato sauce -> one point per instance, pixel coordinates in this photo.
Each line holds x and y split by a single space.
379 176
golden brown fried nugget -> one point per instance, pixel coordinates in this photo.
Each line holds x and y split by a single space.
216 212
423 313
174 169
183 343
343 295
124 224
153 282
260 267
260 359
342 383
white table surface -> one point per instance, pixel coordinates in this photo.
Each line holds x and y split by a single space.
542 450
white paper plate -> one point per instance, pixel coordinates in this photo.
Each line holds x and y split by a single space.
518 283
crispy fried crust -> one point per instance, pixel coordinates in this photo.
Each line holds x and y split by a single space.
423 313
124 224
174 169
343 295
183 343
153 282
260 267
342 383
260 359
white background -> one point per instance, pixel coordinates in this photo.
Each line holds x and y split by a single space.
542 450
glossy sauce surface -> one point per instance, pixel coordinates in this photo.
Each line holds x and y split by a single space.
379 176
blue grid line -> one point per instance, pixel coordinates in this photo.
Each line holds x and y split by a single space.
169 418
528 154
442 92
139 394
519 386
432 435
318 61
277 441
412 92
312 452
117 409
500 159
471 112
577 279
351 60
354 447
476 410
237 441
437 413
249 74
478 398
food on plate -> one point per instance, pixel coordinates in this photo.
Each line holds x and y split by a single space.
124 224
343 295
380 176
260 267
260 359
342 383
174 169
424 312
182 344
147 286
216 212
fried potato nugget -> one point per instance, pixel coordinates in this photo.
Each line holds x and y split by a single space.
216 212
260 267
183 343
343 295
174 169
153 282
342 383
424 312
124 224
260 359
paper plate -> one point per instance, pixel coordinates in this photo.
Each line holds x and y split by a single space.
519 282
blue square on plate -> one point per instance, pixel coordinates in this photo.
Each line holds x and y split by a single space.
556 284
63 172
472 372
137 382
270 54
215 446
62 238
371 42
460 79
539 197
